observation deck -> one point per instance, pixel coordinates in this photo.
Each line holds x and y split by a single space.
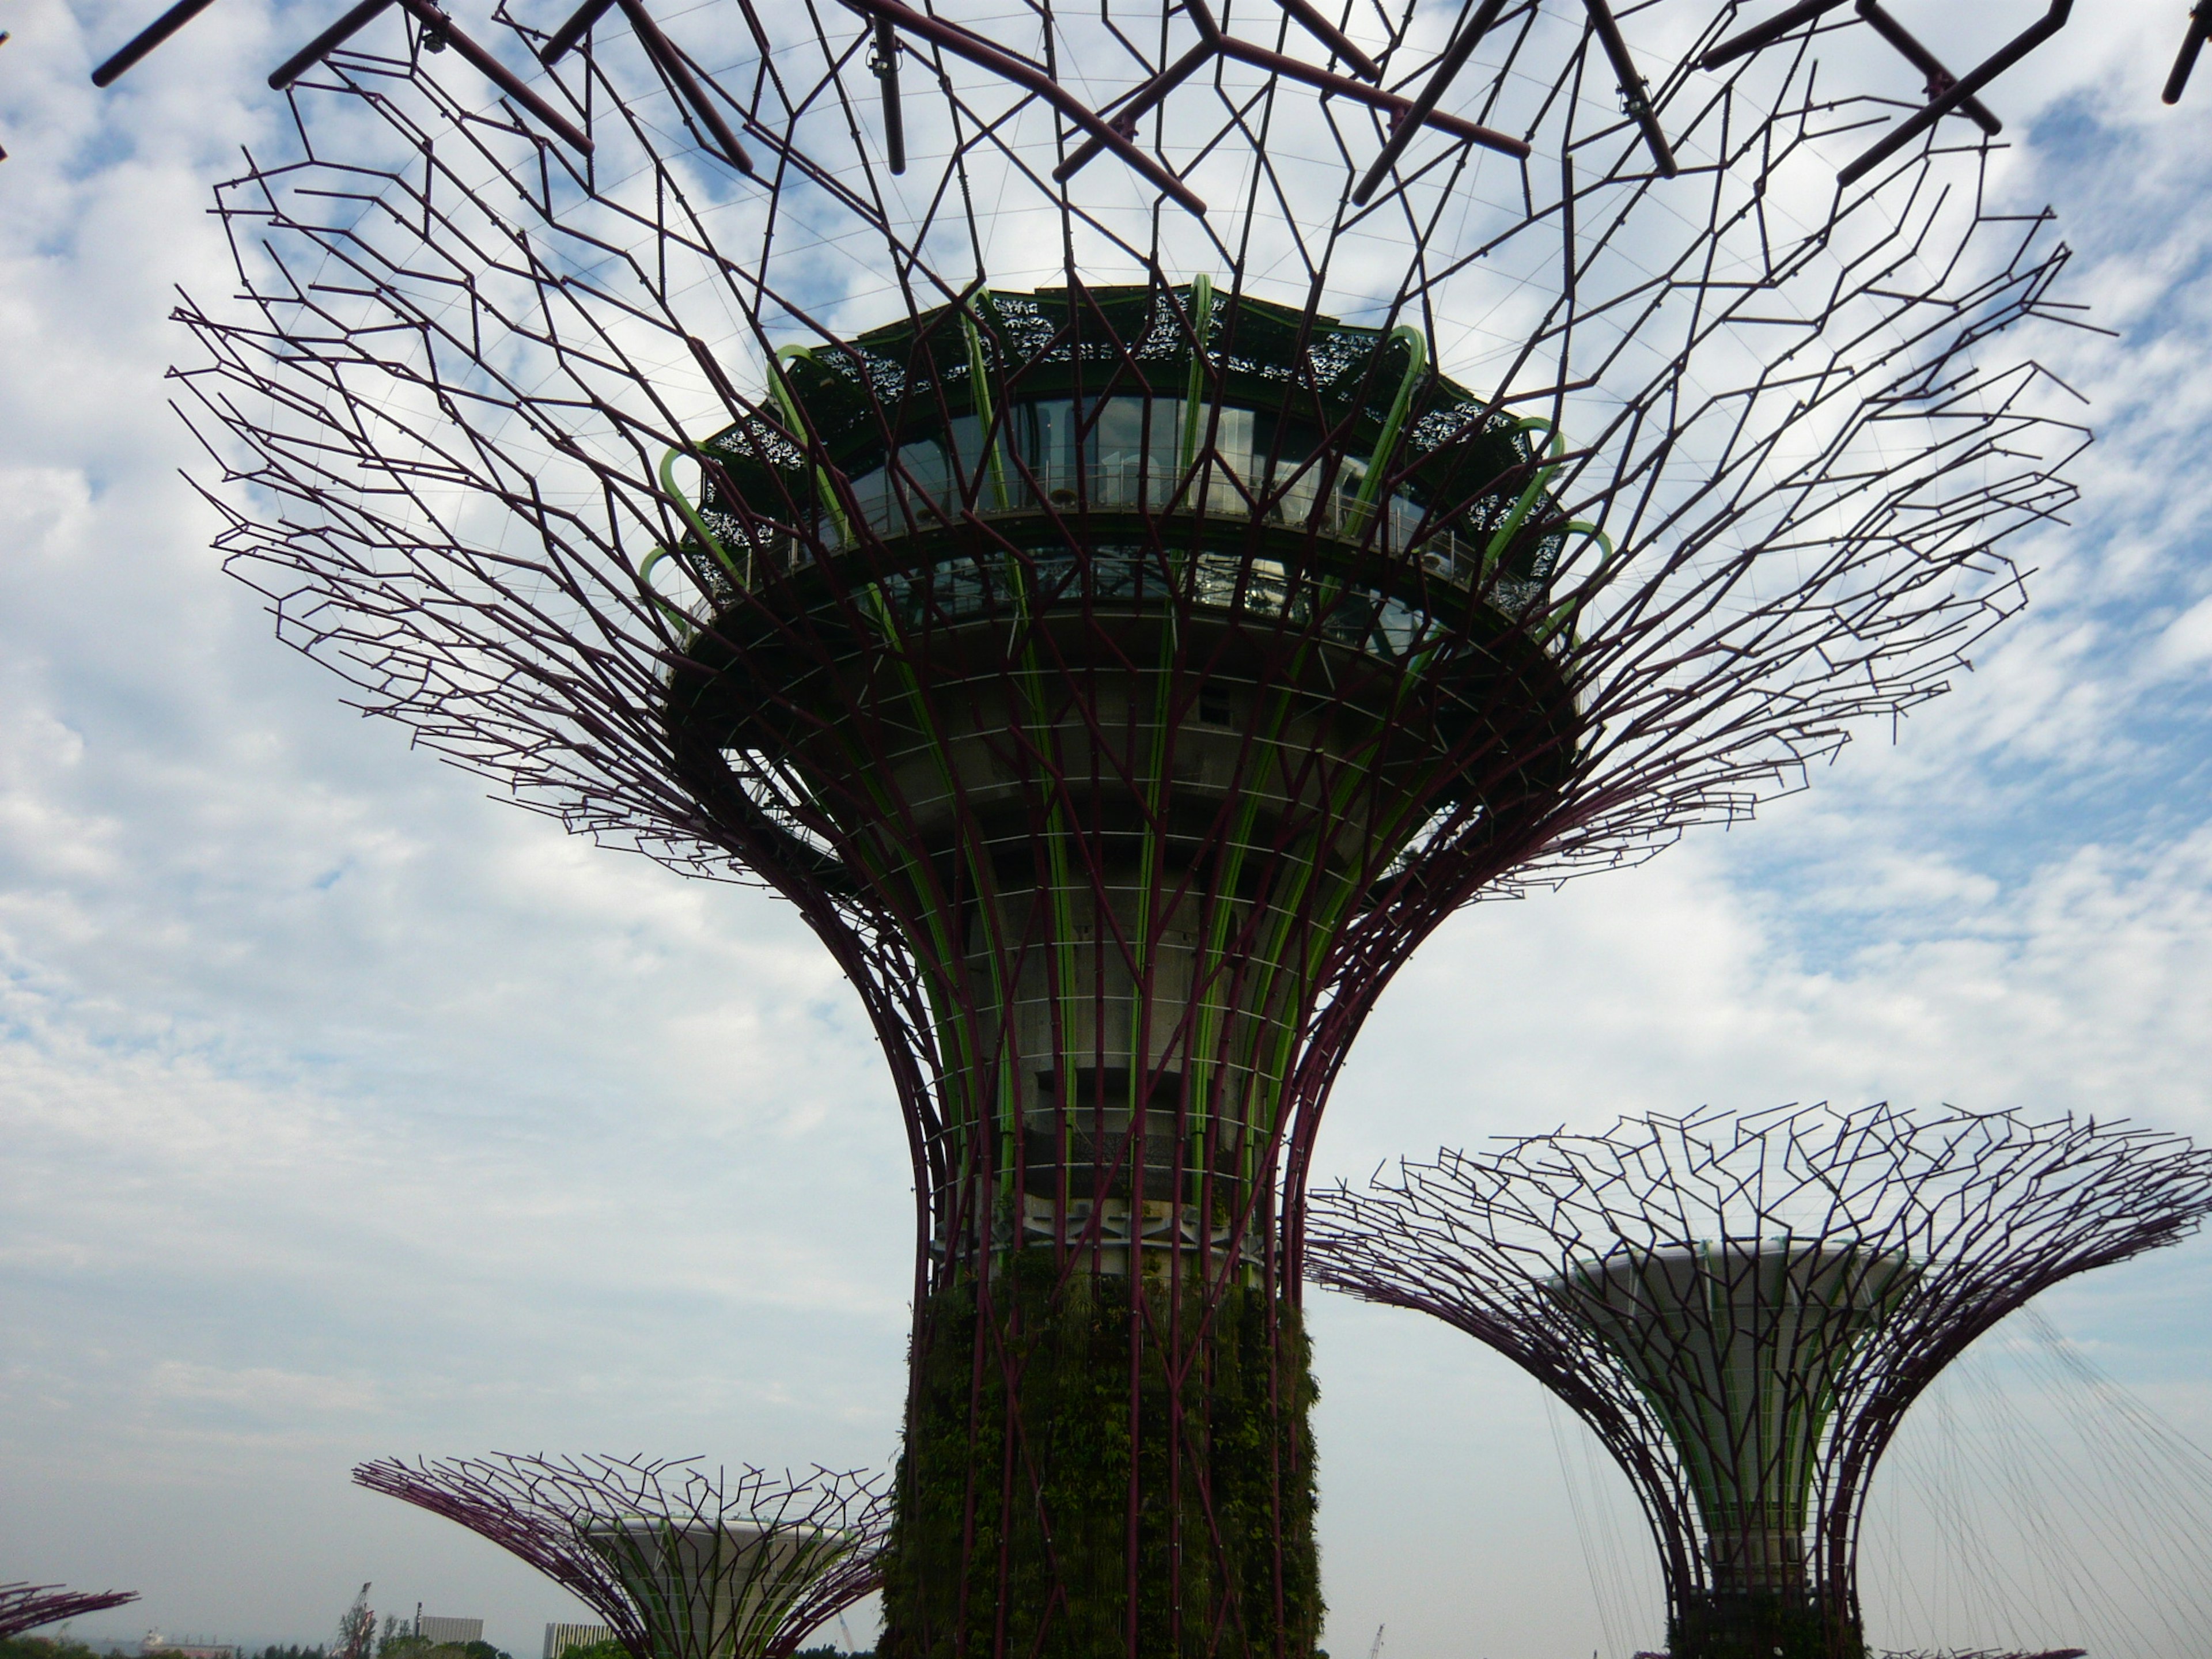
911 448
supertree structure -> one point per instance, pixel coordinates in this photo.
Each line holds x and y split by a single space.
1127 520
27 1607
681 1563
1743 1307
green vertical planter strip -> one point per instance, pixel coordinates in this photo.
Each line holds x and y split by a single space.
1247 1405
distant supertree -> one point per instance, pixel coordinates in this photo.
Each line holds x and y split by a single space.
681 1564
1741 1309
27 1607
1128 516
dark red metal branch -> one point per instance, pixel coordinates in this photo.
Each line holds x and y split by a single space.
578 25
1938 79
27 1607
152 36
1635 93
349 23
670 62
1472 28
1309 18
1956 95
2200 25
1760 35
961 43
1399 109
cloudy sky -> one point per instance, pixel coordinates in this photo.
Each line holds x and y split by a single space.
346 1112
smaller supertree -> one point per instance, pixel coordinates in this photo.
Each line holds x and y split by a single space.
27 1607
1741 1309
681 1564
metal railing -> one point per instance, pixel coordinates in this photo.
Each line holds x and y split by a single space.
891 510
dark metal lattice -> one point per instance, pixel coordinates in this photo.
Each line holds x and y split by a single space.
1742 1309
681 1564
27 1607
1173 506
1946 92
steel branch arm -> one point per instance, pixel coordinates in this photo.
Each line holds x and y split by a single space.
663 52
1333 37
2200 25
573 31
1138 104
950 37
350 24
1399 109
1633 93
1938 78
428 14
1759 35
1448 67
152 36
434 21
1971 83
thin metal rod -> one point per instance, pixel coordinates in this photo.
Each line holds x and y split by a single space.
1634 95
1399 109
1140 103
1971 83
432 17
1332 37
960 43
663 52
351 23
1939 79
1766 33
147 39
2200 25
1454 60
578 25
886 66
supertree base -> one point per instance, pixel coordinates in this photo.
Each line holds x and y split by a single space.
1761 1626
1060 1563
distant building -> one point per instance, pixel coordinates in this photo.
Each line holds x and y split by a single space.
449 1632
156 1644
559 1639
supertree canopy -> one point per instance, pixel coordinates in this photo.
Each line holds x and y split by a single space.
681 1564
1741 1309
27 1607
1127 518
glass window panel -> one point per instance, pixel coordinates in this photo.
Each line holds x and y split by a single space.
972 477
1117 441
871 490
1164 451
921 485
1232 440
1049 434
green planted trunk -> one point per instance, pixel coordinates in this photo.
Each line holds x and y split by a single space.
1762 1627
1023 1536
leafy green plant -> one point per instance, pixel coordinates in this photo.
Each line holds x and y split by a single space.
1762 1627
1060 1558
